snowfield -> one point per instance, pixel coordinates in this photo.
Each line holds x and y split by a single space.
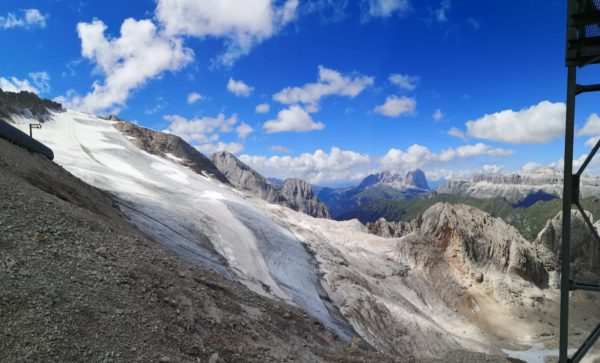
350 280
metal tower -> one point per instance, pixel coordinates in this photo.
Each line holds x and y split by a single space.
583 49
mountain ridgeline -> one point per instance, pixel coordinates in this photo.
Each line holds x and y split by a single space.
346 203
26 104
294 193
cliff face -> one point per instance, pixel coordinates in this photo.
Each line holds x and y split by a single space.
170 146
299 196
520 189
416 179
293 193
26 104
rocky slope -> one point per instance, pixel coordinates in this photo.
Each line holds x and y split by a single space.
293 193
78 282
519 189
26 105
168 145
347 203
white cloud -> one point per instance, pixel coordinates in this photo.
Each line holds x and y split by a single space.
457 133
404 81
531 167
262 108
591 127
438 115
194 97
395 106
239 88
441 13
386 8
200 130
493 168
318 167
211 148
28 19
279 149
294 119
331 82
418 156
242 23
592 141
537 124
243 130
140 53
38 82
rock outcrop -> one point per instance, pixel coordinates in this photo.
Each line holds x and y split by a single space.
387 229
25 104
293 193
169 146
299 196
585 249
416 179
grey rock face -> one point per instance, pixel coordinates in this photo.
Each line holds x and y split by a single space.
387 229
299 196
585 249
244 177
293 193
168 145
416 179
26 104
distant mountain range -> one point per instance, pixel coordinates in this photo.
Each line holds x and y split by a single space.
342 202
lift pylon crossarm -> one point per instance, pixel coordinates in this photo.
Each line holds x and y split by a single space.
585 347
583 88
584 286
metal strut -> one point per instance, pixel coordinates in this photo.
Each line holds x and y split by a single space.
583 49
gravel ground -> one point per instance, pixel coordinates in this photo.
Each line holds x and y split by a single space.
79 283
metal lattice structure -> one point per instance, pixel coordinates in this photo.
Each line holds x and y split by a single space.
583 49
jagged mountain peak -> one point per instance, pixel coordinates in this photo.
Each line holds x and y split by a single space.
293 193
416 178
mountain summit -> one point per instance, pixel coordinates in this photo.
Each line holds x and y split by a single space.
293 193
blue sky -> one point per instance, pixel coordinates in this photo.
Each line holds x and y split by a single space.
325 68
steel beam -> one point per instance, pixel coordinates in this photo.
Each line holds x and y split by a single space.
589 342
566 216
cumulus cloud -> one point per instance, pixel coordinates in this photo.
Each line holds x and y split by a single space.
194 97
279 149
239 88
531 167
211 148
262 108
457 133
404 81
140 53
386 8
438 115
294 119
243 130
242 23
537 124
38 82
395 106
330 82
418 156
493 168
26 18
591 127
321 166
200 130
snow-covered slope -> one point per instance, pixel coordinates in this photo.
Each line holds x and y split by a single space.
199 218
392 292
